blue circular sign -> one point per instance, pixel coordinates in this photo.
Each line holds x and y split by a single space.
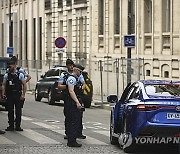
60 42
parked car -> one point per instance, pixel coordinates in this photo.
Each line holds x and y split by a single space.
46 87
3 69
148 108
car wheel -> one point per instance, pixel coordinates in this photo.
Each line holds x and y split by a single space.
113 140
37 97
51 99
128 144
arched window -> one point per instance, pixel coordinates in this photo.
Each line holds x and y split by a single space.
165 69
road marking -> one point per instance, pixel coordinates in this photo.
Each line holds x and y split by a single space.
91 140
53 128
106 133
26 118
41 139
4 140
22 117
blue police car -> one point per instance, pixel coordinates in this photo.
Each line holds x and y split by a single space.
147 108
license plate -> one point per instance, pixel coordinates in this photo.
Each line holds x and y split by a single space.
173 115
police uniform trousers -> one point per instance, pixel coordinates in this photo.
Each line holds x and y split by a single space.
80 128
73 117
65 114
13 99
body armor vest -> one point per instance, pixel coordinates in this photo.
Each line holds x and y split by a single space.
13 84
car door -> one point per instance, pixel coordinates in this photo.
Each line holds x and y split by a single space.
130 103
119 110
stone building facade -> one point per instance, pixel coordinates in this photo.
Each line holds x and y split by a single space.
27 28
94 31
155 24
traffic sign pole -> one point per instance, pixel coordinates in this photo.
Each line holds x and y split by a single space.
129 49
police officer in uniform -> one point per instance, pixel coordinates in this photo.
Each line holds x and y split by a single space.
21 70
74 108
14 89
62 86
80 87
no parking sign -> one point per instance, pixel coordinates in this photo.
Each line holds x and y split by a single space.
60 42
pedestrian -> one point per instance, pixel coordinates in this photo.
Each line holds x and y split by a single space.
74 108
14 89
21 70
62 86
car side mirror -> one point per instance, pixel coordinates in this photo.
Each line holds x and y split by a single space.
112 98
42 76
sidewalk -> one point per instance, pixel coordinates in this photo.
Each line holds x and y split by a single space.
97 102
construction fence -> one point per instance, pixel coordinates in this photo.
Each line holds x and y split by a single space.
110 76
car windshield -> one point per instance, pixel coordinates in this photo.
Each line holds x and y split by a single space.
52 72
163 90
3 67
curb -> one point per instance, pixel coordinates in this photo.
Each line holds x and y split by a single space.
105 105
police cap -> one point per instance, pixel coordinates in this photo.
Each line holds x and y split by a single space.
69 62
14 58
79 66
11 62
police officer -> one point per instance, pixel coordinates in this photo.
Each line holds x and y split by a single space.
80 88
14 89
21 70
62 86
74 108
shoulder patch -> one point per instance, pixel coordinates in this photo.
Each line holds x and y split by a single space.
71 81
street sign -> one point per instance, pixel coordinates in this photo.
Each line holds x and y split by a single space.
60 42
10 50
60 50
129 41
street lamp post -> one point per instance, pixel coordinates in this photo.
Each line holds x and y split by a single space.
10 28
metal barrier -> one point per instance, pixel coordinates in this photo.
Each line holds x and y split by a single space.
109 76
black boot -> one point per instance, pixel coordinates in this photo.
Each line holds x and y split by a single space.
74 144
10 128
19 128
82 137
2 132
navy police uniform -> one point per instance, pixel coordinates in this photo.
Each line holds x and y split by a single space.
13 90
74 114
63 79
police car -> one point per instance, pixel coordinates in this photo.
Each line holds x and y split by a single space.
47 87
3 69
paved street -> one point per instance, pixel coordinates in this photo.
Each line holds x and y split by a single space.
44 131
